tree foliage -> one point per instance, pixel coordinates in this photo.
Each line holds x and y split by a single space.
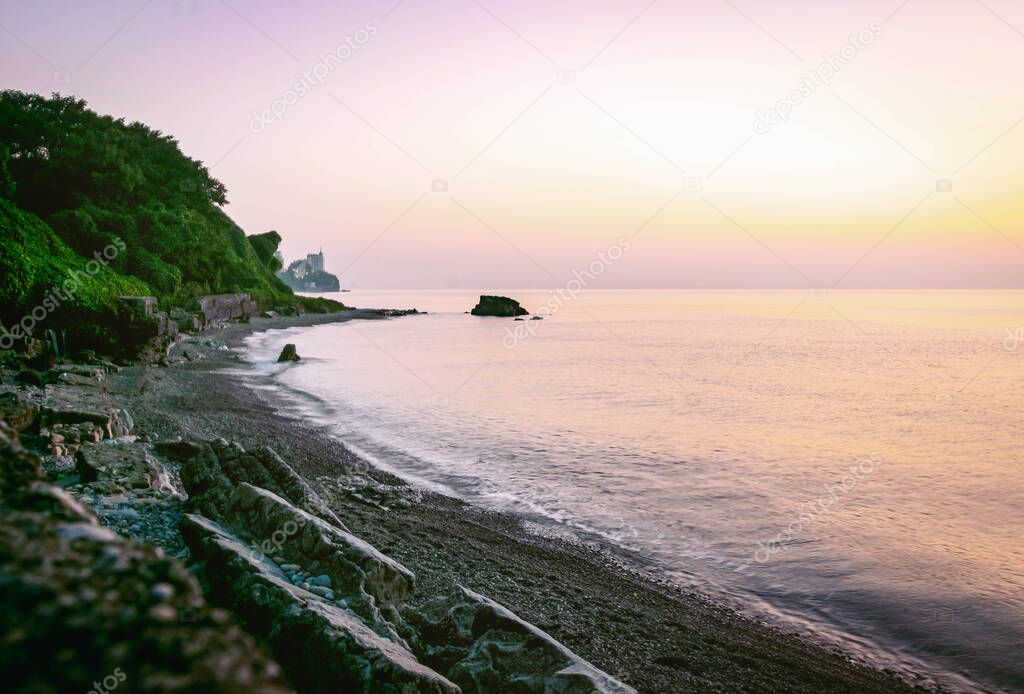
93 178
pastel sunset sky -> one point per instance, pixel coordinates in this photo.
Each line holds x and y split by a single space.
505 143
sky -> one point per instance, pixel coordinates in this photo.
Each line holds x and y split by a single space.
509 143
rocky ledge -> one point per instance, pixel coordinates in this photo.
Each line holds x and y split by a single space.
333 608
201 565
81 604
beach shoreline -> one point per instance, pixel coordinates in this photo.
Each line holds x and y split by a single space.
650 634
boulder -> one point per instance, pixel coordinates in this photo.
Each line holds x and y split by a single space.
288 354
211 477
186 322
85 370
18 469
373 585
113 422
127 466
323 647
17 412
494 650
30 377
178 450
72 379
218 309
80 604
498 306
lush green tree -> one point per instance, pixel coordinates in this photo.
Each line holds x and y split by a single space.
94 178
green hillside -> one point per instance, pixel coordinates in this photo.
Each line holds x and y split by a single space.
76 185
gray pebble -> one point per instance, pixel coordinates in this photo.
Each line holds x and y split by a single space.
162 591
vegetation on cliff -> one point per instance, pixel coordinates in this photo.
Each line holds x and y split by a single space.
38 269
73 183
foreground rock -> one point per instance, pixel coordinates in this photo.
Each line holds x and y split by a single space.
288 354
211 477
122 468
326 648
498 306
484 647
17 412
81 605
330 603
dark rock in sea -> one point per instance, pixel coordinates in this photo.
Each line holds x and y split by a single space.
396 312
537 318
498 306
288 354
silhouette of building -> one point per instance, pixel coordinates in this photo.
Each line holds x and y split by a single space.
314 262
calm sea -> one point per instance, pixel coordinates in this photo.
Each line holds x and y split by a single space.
847 464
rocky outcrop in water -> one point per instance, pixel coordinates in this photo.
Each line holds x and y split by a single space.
498 306
289 353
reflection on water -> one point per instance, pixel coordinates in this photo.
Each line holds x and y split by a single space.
848 463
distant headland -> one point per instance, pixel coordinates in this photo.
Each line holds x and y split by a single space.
308 275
